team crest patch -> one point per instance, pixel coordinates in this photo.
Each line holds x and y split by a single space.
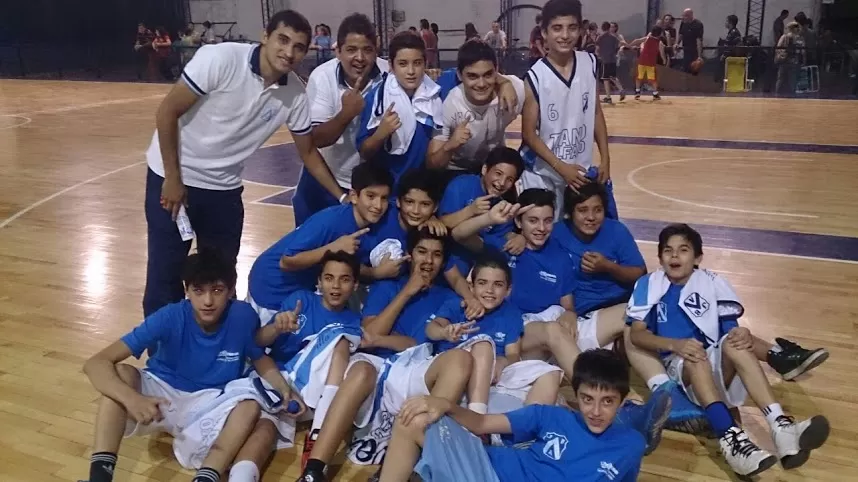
585 99
555 445
696 304
661 312
267 115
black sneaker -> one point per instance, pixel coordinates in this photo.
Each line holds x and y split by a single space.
313 476
622 96
607 100
656 97
793 360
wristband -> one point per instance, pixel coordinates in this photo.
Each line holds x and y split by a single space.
343 197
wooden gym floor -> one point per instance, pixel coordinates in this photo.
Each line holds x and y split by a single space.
770 183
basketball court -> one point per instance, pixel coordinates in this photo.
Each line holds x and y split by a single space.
771 185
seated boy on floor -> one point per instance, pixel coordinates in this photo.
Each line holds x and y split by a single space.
497 359
313 339
584 445
292 263
202 344
690 317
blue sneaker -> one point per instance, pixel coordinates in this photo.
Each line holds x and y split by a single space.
648 418
685 416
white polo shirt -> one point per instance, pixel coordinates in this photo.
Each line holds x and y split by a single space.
486 122
233 117
326 87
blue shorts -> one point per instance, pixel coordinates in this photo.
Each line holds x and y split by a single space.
451 452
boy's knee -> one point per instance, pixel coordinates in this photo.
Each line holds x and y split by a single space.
362 372
482 350
738 356
459 358
551 378
246 411
128 374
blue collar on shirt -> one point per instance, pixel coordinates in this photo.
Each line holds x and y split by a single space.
254 66
341 77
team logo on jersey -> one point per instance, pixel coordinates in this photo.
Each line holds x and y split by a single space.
302 319
267 115
512 260
696 304
585 99
569 143
608 469
546 276
500 337
555 445
228 356
661 312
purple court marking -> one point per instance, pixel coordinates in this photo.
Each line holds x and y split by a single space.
280 166
716 144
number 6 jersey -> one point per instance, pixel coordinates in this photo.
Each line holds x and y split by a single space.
567 113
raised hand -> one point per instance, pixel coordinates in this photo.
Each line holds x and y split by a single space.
454 331
287 321
348 243
390 122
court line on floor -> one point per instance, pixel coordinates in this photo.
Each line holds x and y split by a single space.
765 253
27 120
282 191
631 179
93 105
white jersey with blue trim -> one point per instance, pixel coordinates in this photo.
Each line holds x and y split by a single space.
567 113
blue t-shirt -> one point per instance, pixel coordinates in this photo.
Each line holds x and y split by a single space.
565 449
540 278
668 320
398 164
615 242
269 285
189 359
448 80
412 319
504 324
312 319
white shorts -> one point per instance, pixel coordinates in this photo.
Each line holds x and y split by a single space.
517 379
265 315
734 395
182 409
587 336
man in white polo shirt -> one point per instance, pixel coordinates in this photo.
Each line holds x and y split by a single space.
474 122
336 90
231 98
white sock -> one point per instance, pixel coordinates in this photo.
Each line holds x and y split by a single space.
244 471
772 412
480 408
657 381
776 348
324 404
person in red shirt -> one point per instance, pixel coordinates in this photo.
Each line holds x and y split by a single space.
431 41
163 46
651 51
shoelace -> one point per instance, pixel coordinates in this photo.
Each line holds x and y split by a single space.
785 421
740 444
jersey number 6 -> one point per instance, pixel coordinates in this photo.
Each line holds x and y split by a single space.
553 115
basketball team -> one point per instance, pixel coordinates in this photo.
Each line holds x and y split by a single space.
439 285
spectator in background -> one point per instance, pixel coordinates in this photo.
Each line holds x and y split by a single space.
809 36
208 36
430 39
668 37
691 38
589 43
537 45
607 48
188 43
322 44
471 32
162 45
582 33
727 46
413 28
496 38
788 58
434 28
778 27
143 52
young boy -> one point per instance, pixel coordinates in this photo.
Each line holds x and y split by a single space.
502 324
651 51
336 89
394 322
474 122
607 47
402 111
587 445
202 343
562 115
291 264
695 329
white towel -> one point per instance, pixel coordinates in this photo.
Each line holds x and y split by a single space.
425 107
704 298
308 370
552 313
390 246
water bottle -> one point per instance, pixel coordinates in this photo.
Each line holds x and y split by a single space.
184 224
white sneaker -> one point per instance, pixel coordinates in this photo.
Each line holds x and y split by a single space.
742 455
794 441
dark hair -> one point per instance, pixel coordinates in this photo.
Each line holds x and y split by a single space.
206 24
492 259
470 31
356 23
733 20
505 155
585 192
656 31
424 24
615 23
560 8
208 265
415 235
406 40
603 369
606 26
434 28
538 18
537 197
420 180
291 19
347 259
784 12
368 174
684 230
412 28
473 51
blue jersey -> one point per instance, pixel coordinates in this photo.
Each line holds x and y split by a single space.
448 80
668 320
397 164
412 319
565 449
269 285
189 359
312 319
461 193
540 278
615 242
504 324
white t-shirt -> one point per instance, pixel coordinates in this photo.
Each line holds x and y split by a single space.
326 87
234 116
495 40
486 122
